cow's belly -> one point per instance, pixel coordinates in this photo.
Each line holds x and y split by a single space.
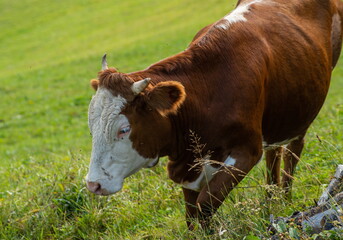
289 111
283 127
271 145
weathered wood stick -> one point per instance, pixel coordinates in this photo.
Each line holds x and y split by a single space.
322 217
335 186
327 215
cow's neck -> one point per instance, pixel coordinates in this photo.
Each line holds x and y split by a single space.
181 68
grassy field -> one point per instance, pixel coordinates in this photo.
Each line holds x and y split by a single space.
49 51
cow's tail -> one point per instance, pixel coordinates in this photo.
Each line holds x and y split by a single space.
339 5
337 31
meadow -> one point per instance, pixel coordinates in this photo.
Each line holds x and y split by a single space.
49 51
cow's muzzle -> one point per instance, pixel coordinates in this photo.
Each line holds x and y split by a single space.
96 188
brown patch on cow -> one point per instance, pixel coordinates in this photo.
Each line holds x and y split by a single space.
173 64
148 126
95 84
167 97
118 83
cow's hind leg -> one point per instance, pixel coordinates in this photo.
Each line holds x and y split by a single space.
273 162
291 158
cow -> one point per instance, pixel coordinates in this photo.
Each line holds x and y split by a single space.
251 82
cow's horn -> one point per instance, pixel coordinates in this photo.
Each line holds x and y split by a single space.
139 86
104 62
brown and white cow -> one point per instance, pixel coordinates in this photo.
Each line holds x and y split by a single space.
252 81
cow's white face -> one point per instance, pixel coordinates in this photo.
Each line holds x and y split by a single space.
113 157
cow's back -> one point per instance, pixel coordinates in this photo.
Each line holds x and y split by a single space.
273 68
265 72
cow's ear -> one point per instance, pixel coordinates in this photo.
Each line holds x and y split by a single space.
166 97
95 84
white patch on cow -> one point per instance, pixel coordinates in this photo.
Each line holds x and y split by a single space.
237 15
205 176
230 161
112 159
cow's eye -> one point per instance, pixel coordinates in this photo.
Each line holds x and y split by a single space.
124 131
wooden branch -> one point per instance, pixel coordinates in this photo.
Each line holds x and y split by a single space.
335 186
327 215
323 216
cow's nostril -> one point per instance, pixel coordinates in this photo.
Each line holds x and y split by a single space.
94 187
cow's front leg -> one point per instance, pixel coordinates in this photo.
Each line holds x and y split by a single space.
213 194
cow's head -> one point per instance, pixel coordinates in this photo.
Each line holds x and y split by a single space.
129 124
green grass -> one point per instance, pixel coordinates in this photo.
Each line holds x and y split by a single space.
49 52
